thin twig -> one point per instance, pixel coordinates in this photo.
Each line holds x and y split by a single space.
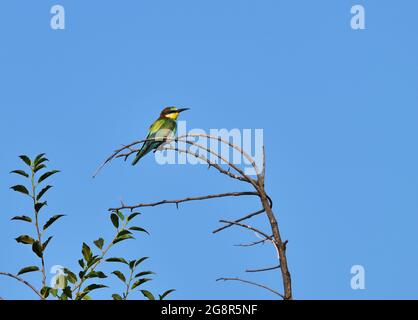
211 196
117 153
253 243
210 163
239 220
22 281
233 146
166 146
263 269
253 283
249 228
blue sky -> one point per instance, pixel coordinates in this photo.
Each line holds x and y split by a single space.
338 108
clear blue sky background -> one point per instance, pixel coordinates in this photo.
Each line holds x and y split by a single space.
338 107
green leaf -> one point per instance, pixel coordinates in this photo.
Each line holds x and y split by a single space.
20 188
70 275
115 220
121 216
143 273
92 261
42 192
46 175
165 294
38 206
86 251
28 269
81 263
68 292
99 243
37 248
38 163
52 220
148 294
45 291
123 232
139 282
45 244
39 167
23 218
20 172
39 159
96 274
140 260
25 159
54 292
120 275
132 264
133 215
138 229
115 296
121 260
93 287
25 239
121 238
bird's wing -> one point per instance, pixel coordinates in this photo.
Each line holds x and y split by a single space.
162 128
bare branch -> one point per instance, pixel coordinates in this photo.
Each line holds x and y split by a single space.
7 274
240 175
249 228
262 176
263 269
210 196
253 243
239 170
240 150
253 283
117 153
114 154
166 146
210 163
239 220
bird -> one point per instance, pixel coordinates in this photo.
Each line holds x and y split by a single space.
164 127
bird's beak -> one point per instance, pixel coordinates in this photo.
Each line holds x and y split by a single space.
183 109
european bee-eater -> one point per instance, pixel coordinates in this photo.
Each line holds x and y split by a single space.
164 127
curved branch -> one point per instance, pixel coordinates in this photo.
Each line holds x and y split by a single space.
199 146
240 150
117 153
253 283
166 146
210 163
176 202
7 274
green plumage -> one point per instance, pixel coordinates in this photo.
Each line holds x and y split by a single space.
159 130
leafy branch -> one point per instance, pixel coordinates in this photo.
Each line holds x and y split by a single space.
67 284
36 175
